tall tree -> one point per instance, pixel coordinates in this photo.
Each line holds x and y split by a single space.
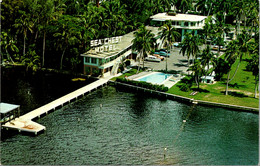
48 13
142 43
190 46
168 36
23 25
207 28
236 49
207 57
197 71
231 56
67 34
9 44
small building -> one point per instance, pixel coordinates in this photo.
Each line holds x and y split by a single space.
8 112
182 22
207 79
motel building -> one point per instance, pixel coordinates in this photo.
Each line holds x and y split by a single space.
182 22
106 54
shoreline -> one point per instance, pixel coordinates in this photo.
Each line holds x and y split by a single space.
190 100
168 95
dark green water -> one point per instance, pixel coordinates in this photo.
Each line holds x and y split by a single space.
133 128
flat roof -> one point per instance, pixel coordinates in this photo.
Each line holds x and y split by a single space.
5 107
120 46
178 17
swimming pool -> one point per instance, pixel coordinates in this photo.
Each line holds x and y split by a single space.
155 78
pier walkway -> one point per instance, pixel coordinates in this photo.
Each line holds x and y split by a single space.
25 123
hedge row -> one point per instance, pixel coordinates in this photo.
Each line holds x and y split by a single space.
143 84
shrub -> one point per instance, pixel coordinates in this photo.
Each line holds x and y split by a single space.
143 84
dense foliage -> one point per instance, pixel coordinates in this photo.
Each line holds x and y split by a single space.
53 33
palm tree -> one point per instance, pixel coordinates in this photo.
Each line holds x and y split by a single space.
67 34
8 43
23 24
207 57
238 8
254 19
236 50
47 14
184 5
197 70
168 36
190 46
231 55
142 43
202 6
207 28
219 31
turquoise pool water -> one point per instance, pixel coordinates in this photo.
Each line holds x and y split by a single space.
155 78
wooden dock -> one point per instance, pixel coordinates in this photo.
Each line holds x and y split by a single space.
25 123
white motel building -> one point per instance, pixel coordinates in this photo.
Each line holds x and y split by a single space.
106 54
182 22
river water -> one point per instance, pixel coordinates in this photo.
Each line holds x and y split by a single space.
114 126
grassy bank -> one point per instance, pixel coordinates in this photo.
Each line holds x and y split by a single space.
241 89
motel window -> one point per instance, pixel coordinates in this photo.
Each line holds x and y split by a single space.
101 61
186 24
93 60
87 59
177 23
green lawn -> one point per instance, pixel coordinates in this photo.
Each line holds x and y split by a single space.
242 94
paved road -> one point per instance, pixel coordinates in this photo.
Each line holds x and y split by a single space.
175 62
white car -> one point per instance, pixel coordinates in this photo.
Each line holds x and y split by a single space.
153 59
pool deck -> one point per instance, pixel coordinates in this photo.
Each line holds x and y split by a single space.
168 83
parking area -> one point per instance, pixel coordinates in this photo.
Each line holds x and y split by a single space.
175 62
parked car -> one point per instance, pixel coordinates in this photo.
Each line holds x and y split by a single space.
152 58
158 56
222 48
164 50
177 44
162 53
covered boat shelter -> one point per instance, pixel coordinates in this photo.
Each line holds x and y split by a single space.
9 112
